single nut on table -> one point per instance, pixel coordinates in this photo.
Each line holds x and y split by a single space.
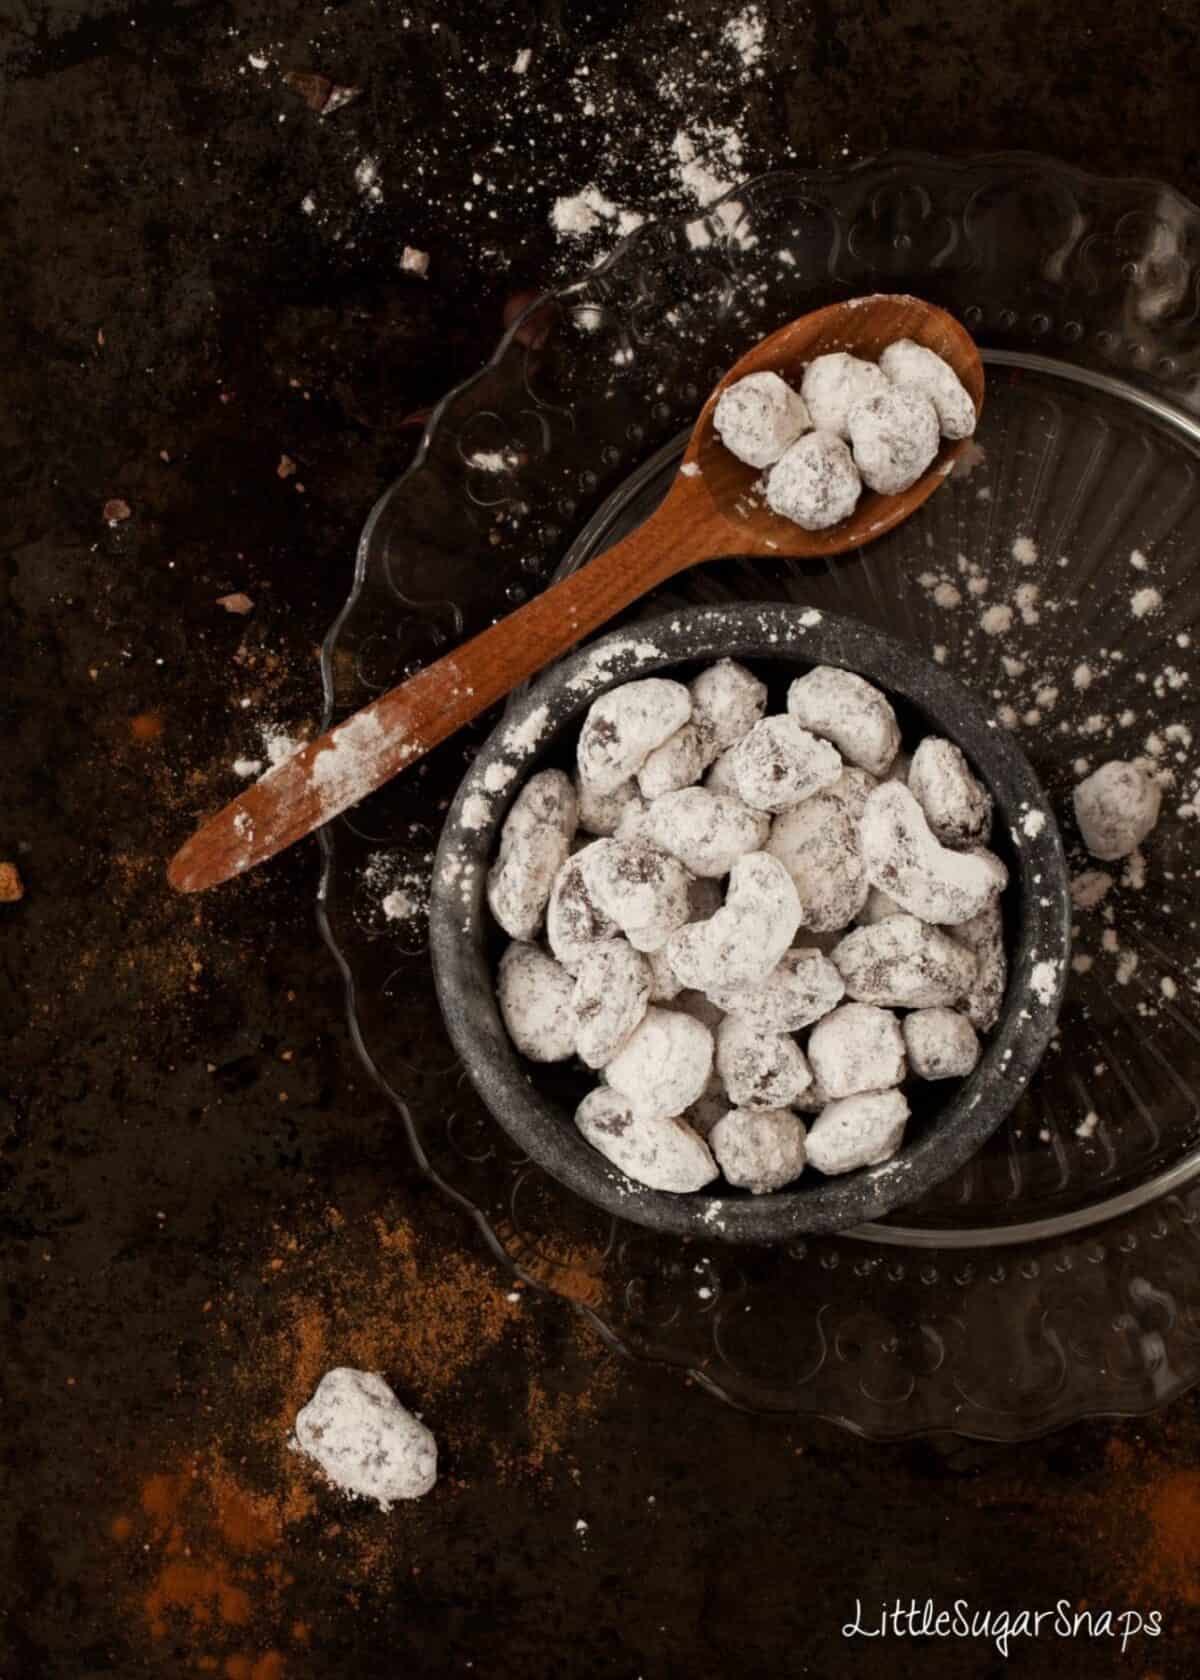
844 708
612 991
758 416
817 843
860 1131
911 367
366 1442
741 944
535 842
941 1044
1116 808
659 1151
803 986
903 963
778 763
759 1150
537 1003
858 1047
642 890
574 919
706 831
623 727
665 1065
836 383
758 1069
903 857
894 436
601 813
680 761
727 700
814 483
957 807
983 936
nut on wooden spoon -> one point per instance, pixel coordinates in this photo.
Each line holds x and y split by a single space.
707 513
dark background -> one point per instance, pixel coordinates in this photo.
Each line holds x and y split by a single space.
202 1194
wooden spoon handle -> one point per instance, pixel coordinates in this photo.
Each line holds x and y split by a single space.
360 754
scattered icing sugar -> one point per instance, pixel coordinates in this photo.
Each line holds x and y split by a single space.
523 738
1043 982
810 619
1032 823
1144 601
689 469
604 661
746 34
1025 551
1087 1126
497 777
247 766
476 811
995 621
1138 560
581 213
522 61
345 770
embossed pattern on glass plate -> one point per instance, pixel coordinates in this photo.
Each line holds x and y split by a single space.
998 1309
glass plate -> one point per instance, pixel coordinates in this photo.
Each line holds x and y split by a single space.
1056 1276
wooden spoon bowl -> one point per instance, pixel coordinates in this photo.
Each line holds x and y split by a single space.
707 513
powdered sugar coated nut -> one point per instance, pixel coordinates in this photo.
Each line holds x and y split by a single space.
914 368
859 1131
741 944
704 900
957 807
803 986
601 813
903 963
758 416
817 843
537 1003
778 763
941 1044
612 991
858 1047
706 831
759 1151
844 708
534 844
680 761
814 483
574 919
623 727
727 700
853 788
665 1066
894 436
758 1069
366 1442
700 1007
834 384
661 1152
708 1109
902 856
878 908
1116 807
642 890
721 777
983 936
665 984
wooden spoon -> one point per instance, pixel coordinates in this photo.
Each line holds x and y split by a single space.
707 513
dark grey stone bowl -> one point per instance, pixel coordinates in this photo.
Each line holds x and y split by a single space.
535 1103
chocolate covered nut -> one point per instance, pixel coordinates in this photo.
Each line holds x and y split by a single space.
778 763
641 889
623 727
665 1065
727 700
574 919
1116 807
903 857
758 1069
612 990
957 807
534 844
803 986
759 1150
818 845
741 944
536 998
858 1047
912 367
661 1152
706 831
844 708
903 963
941 1044
858 1131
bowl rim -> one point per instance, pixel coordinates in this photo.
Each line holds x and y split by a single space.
458 917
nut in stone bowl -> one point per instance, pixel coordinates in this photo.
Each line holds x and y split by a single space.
535 1102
